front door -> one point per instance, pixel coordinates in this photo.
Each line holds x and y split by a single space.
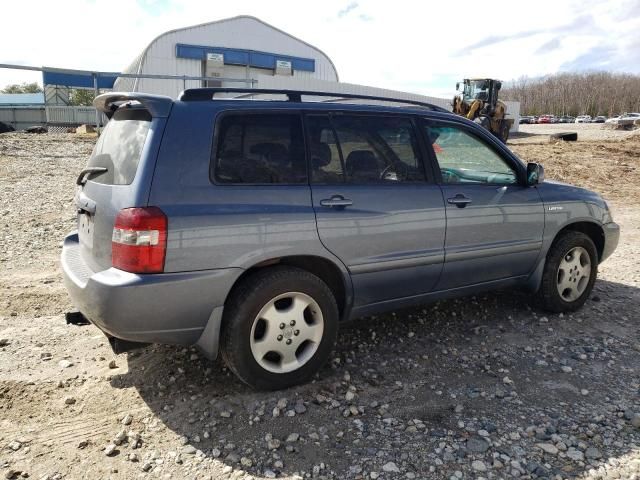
494 221
375 208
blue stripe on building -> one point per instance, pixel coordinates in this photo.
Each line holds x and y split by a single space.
80 80
253 58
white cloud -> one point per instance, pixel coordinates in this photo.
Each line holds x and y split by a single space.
415 46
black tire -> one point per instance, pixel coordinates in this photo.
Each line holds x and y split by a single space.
548 296
564 136
244 305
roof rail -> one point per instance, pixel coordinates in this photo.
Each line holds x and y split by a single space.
195 94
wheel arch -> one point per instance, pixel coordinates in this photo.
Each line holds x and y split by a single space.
592 229
337 279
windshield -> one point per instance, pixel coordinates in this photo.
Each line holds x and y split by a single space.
476 89
120 146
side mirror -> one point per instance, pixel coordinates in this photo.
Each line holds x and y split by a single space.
458 86
535 173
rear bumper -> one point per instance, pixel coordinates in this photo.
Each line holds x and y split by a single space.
611 239
173 308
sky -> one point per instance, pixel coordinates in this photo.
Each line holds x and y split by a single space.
420 46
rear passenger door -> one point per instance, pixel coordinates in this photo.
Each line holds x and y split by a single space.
375 208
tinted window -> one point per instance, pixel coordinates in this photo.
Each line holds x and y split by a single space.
326 164
463 158
260 149
368 149
120 146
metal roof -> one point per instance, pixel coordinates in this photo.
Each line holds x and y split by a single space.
7 99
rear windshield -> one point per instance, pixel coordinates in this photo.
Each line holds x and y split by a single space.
120 146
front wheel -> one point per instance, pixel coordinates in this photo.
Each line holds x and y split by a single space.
280 326
569 273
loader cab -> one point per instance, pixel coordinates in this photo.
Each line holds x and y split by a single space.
484 89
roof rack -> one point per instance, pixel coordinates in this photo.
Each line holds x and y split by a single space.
195 94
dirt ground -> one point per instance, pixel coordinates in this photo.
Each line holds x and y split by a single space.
479 387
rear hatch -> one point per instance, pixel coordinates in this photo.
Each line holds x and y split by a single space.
118 175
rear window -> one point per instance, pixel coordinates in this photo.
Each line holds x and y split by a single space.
120 146
260 149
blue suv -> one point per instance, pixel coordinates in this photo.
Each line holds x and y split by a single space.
255 226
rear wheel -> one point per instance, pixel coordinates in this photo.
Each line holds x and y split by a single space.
280 326
504 132
569 273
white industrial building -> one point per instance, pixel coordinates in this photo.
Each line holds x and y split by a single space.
238 48
244 51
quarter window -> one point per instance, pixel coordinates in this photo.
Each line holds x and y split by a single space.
363 149
463 158
260 149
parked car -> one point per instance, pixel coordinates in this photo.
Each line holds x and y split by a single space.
625 117
583 119
546 119
566 119
526 120
599 119
256 227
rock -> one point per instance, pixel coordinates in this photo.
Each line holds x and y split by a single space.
374 475
146 466
293 437
65 364
110 450
4 342
36 129
246 462
127 419
349 396
14 474
15 445
507 381
479 466
120 437
83 444
113 364
273 444
547 448
300 408
84 129
584 392
566 369
575 455
69 400
225 414
593 453
635 420
477 445
390 467
269 474
189 450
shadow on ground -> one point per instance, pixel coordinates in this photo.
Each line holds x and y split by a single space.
425 380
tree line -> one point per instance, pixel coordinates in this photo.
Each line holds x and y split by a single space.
594 93
77 96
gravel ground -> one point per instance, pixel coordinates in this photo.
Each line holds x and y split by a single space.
480 387
586 132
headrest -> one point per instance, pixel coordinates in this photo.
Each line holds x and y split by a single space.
320 155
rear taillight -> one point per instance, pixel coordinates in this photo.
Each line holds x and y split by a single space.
139 240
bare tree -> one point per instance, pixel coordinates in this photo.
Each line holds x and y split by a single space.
592 93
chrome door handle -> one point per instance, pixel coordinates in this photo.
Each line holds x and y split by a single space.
337 201
459 200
